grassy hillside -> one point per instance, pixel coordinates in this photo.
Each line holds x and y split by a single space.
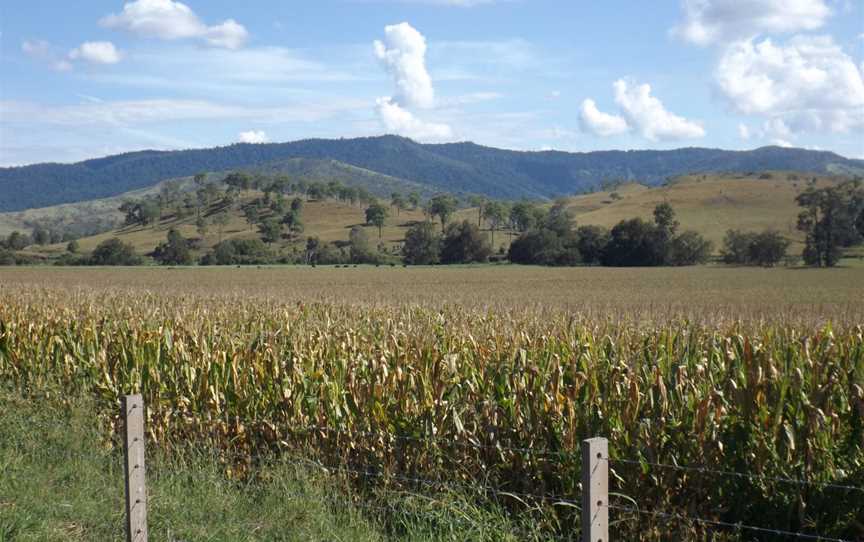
708 204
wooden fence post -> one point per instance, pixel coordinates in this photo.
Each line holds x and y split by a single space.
595 490
136 480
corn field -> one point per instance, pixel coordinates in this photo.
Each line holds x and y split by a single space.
493 396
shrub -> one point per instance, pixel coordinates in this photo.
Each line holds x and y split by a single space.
463 243
422 245
114 252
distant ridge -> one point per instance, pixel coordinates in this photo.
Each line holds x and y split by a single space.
454 167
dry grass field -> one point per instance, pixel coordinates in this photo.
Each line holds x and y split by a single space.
702 293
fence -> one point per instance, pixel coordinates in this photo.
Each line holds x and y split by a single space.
594 505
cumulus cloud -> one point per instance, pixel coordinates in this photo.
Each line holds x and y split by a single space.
253 136
43 51
807 84
599 123
743 131
646 114
713 21
171 20
400 121
97 52
403 55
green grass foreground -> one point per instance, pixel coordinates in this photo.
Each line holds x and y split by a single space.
61 479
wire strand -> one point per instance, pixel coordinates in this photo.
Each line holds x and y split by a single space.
718 523
708 470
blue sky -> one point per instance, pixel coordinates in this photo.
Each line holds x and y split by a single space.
86 79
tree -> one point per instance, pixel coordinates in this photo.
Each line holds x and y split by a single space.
591 242
376 214
690 248
72 247
252 214
41 236
463 243
200 179
748 248
397 200
271 231
634 242
297 205
442 206
239 180
560 220
767 248
359 248
293 222
422 245
114 252
17 241
149 212
221 220
312 245
238 252
523 216
174 251
414 200
664 218
829 220
496 213
536 247
480 203
736 247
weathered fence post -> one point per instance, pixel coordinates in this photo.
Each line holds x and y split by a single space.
136 480
595 490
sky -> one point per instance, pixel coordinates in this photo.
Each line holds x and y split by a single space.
86 79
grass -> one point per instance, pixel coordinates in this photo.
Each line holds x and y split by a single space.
61 479
708 204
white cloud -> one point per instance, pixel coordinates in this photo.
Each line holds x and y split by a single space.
403 54
714 21
594 121
781 143
171 20
135 112
254 136
43 51
36 48
97 52
646 113
400 121
743 131
808 84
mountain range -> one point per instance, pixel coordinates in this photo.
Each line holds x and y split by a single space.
389 163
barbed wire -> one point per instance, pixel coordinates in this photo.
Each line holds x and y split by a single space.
530 451
718 523
708 470
438 483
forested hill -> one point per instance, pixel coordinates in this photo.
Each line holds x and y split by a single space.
455 167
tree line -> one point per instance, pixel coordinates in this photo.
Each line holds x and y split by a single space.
832 219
